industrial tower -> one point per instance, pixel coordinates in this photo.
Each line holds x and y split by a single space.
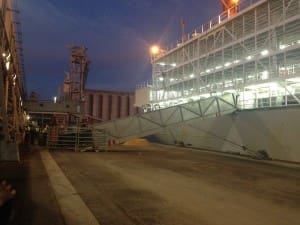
76 77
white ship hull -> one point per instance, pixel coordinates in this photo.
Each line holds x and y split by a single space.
275 130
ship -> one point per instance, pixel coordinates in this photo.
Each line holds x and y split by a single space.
251 51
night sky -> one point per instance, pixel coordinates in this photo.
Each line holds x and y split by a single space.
117 33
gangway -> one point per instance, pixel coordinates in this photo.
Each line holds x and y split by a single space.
160 120
149 123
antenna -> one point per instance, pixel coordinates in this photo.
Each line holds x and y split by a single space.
183 36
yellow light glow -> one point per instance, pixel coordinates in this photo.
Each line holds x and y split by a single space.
235 1
154 50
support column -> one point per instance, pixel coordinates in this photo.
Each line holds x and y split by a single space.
105 108
95 105
114 107
123 106
131 105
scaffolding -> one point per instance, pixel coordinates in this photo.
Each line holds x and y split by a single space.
78 72
12 85
253 54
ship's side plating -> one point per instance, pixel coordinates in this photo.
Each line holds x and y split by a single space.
274 130
255 55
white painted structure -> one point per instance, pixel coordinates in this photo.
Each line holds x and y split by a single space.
276 131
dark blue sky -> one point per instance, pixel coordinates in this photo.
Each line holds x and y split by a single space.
117 33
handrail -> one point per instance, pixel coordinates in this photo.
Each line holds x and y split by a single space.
208 26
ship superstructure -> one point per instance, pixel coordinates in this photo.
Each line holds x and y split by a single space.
254 54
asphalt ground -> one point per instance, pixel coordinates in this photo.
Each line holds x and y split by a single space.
155 184
35 202
152 184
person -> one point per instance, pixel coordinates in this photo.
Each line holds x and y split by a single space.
7 194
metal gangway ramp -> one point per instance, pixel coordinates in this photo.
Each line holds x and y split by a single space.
149 123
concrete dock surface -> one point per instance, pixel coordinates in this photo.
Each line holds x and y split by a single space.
152 184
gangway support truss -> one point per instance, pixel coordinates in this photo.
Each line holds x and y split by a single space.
152 122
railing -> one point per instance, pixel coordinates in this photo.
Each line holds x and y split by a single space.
75 139
145 84
211 24
155 121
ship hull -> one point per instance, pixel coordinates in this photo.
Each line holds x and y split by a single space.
274 130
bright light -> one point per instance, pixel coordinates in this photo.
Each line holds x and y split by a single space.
173 64
218 67
154 50
172 79
264 85
265 52
235 1
227 64
282 68
28 117
207 71
281 47
7 65
3 54
236 61
161 78
295 79
162 64
192 75
195 98
205 96
216 94
249 57
55 99
230 91
265 75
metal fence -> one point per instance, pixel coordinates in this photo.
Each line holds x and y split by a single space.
76 139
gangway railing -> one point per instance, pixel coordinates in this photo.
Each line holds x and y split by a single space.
149 123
